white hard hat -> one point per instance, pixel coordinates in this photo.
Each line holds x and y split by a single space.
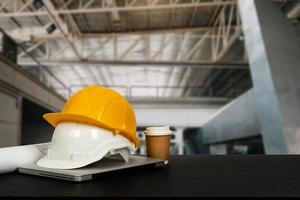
75 145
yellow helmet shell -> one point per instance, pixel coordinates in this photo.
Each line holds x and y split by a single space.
101 107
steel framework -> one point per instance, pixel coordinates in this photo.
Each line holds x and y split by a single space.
219 37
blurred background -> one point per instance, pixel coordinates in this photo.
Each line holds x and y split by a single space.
222 74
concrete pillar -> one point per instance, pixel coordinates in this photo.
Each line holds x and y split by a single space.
242 122
273 46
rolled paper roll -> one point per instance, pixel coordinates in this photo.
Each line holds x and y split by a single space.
13 157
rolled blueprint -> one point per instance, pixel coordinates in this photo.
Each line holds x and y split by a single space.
13 157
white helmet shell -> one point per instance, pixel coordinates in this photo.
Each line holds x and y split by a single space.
76 145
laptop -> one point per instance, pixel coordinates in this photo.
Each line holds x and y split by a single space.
107 164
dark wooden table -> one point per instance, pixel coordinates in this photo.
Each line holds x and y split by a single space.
206 176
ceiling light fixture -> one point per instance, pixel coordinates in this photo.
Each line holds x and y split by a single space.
38 4
50 29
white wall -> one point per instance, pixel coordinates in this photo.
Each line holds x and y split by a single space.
18 83
177 116
9 121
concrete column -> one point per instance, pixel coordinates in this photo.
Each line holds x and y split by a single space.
234 121
273 46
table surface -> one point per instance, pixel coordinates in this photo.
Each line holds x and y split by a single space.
206 176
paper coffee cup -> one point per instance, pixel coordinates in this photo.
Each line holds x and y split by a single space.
158 141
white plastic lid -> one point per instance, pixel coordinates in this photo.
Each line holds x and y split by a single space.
161 130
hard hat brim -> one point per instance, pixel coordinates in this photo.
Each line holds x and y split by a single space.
68 164
55 118
61 164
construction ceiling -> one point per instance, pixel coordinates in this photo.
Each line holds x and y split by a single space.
142 48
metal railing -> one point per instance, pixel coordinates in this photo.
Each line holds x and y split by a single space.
151 91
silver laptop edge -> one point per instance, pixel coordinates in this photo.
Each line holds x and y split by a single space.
86 173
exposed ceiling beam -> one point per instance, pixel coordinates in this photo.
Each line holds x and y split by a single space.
114 14
294 12
50 9
73 22
104 8
226 36
162 47
33 47
126 52
229 44
2 6
196 46
101 45
114 63
36 34
4 10
45 69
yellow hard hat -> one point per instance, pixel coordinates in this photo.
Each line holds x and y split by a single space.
99 106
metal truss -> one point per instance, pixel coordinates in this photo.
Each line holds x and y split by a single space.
145 42
174 47
104 6
225 34
59 23
219 37
189 47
